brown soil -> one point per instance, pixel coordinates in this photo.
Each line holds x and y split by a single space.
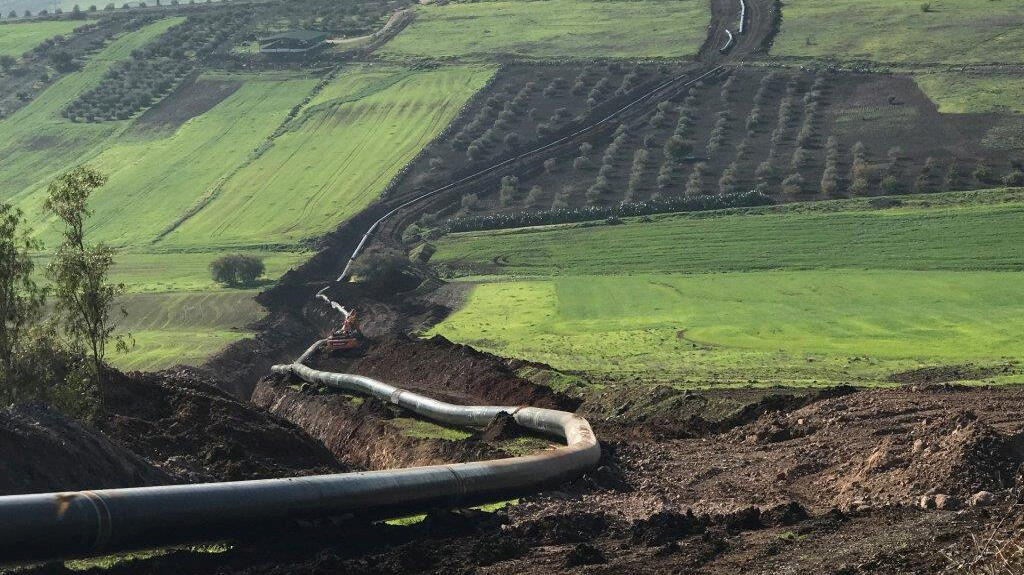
825 484
43 451
192 430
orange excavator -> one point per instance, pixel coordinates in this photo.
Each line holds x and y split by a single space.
347 339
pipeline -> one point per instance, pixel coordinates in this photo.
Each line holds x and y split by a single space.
369 232
728 42
64 525
74 524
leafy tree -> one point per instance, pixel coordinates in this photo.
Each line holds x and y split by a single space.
7 62
509 190
80 271
237 269
21 300
677 148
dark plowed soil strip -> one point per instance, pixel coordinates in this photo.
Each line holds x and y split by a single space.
193 98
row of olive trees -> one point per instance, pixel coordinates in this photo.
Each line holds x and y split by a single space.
56 357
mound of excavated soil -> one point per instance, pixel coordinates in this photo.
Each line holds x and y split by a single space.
186 426
454 372
43 451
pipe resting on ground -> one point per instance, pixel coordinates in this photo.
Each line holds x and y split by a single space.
74 524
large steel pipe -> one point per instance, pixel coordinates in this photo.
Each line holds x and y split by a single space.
62 525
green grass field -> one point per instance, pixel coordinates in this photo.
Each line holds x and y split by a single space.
336 158
802 295
36 143
16 39
958 93
953 32
555 29
183 327
928 232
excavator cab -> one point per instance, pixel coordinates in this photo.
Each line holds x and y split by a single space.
347 339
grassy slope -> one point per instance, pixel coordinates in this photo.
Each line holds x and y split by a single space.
919 236
36 143
958 93
955 31
154 180
337 158
16 39
876 292
184 327
556 29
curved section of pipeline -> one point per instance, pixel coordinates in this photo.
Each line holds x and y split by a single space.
728 42
369 232
74 524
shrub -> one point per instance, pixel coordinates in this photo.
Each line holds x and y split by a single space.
793 184
508 190
830 181
563 213
381 268
549 165
676 148
727 182
236 269
801 157
1014 178
891 185
983 174
765 171
534 196
470 202
582 163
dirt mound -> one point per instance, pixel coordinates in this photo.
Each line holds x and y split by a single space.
503 426
43 451
179 421
454 372
954 456
947 373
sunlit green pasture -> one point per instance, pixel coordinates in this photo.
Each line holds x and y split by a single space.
18 38
183 327
966 93
555 29
951 31
336 158
928 232
179 196
801 295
